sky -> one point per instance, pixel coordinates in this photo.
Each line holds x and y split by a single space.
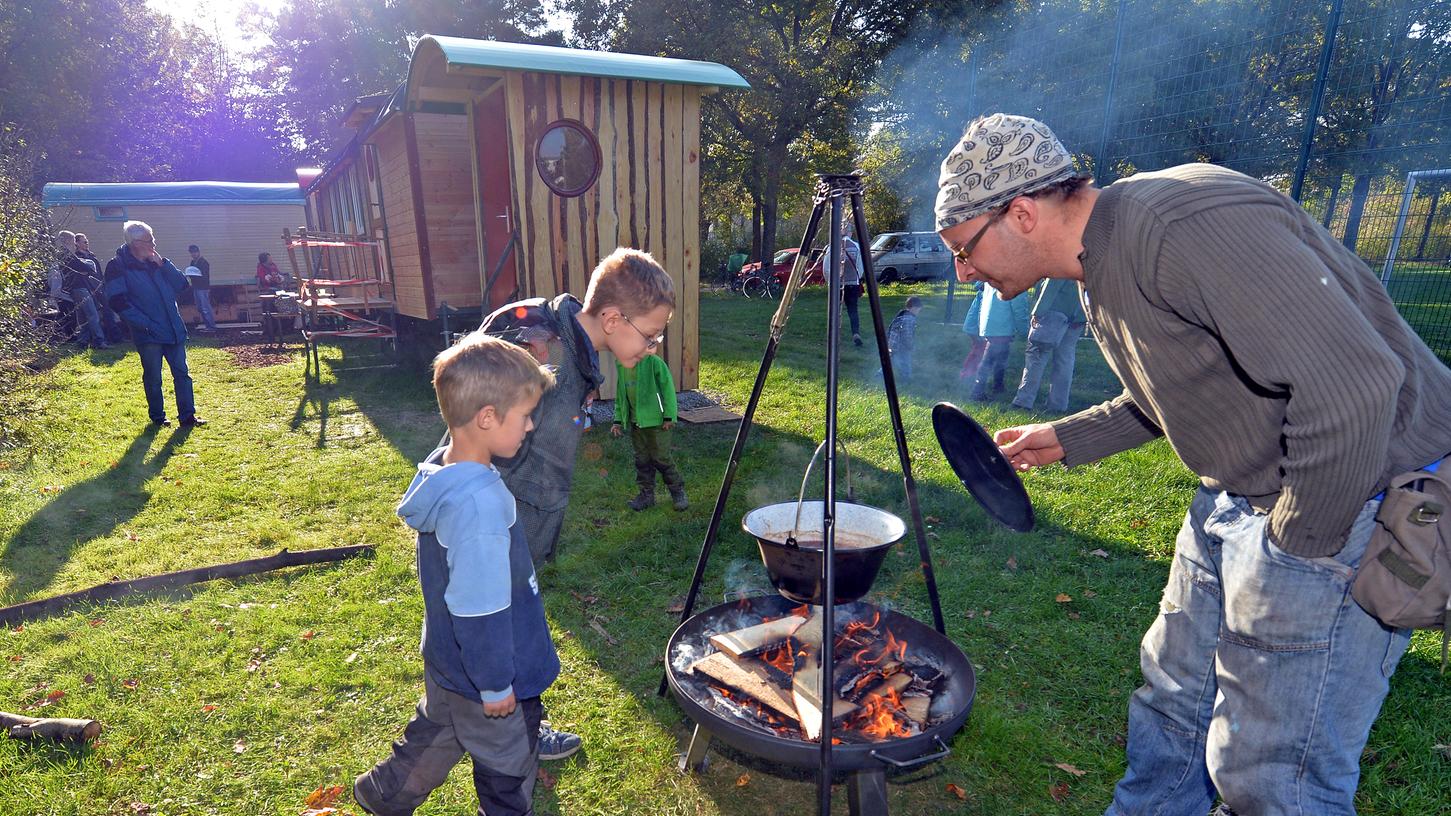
227 19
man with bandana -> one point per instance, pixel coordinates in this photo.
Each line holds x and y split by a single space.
1276 366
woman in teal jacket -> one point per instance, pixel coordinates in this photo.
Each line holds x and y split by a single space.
645 404
998 322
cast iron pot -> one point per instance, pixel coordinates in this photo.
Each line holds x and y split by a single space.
864 535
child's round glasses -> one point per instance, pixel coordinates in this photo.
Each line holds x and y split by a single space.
650 342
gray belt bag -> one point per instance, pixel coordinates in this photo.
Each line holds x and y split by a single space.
1405 579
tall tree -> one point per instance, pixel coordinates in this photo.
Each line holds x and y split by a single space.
328 53
808 62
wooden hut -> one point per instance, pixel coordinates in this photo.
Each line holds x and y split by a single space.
231 221
512 169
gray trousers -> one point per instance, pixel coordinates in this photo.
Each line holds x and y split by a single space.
504 750
1054 339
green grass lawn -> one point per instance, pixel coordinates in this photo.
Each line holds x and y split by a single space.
242 697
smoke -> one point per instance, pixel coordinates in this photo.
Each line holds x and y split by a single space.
1186 85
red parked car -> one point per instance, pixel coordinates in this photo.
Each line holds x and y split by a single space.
781 266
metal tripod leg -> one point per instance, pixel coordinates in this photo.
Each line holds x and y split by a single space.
894 406
866 793
694 760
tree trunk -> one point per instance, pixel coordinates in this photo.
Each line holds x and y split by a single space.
1426 232
776 160
1334 199
756 229
1358 194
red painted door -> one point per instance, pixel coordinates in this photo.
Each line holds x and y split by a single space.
491 143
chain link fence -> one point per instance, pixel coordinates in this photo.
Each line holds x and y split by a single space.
1343 104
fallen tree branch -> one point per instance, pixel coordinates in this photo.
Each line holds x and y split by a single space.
11 615
19 726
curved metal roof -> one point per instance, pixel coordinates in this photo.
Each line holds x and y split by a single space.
553 60
170 192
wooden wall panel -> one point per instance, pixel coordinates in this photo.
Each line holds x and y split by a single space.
402 231
444 150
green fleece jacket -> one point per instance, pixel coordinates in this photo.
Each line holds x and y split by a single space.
646 394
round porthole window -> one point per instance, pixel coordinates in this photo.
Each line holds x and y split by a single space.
567 158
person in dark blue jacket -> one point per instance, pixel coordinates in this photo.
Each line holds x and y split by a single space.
487 651
141 287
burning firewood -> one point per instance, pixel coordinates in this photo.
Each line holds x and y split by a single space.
893 683
22 727
917 708
748 678
806 691
753 639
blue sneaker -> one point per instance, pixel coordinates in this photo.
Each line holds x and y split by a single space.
557 744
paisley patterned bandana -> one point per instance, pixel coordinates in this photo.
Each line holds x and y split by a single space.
999 158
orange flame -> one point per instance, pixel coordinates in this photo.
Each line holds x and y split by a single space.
882 716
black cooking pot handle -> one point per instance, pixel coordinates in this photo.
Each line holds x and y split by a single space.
801 497
921 760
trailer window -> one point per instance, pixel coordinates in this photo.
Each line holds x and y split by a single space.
567 158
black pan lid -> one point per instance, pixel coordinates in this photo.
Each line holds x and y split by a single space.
981 466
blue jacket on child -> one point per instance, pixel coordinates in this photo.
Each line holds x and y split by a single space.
484 631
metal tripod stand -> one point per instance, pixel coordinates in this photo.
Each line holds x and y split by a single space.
830 190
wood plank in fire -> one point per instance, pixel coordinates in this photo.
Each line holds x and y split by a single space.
748 677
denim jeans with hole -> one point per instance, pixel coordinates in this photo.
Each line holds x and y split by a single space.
1262 676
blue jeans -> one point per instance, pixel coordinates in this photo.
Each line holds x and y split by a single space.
203 298
175 355
1262 676
1051 338
88 318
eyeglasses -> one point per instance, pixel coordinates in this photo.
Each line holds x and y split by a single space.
650 342
963 254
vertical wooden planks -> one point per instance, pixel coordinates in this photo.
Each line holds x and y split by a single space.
672 213
688 297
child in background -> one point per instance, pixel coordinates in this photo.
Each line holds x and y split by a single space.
645 404
902 337
487 652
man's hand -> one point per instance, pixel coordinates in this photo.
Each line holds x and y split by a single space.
669 423
154 257
616 430
503 708
1029 446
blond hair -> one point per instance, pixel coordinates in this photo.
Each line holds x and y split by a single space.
631 281
479 371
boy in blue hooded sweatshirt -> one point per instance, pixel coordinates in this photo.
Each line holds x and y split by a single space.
487 652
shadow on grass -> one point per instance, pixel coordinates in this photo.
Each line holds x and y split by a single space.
397 400
83 512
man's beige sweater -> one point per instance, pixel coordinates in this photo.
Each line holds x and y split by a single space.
1266 352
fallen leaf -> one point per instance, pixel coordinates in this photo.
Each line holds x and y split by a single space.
239 746
971 613
1012 565
676 605
987 613
352 658
547 779
1059 791
584 599
933 520
19 629
254 664
1074 616
130 682
1443 750
1088 593
17 659
325 796
1138 524
952 788
308 635
1063 597
52 697
208 708
1064 766
594 624
1100 552
96 621
931 534
745 778
89 679
132 536
140 808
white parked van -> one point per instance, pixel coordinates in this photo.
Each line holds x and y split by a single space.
910 256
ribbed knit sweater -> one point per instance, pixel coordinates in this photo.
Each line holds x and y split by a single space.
1266 352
